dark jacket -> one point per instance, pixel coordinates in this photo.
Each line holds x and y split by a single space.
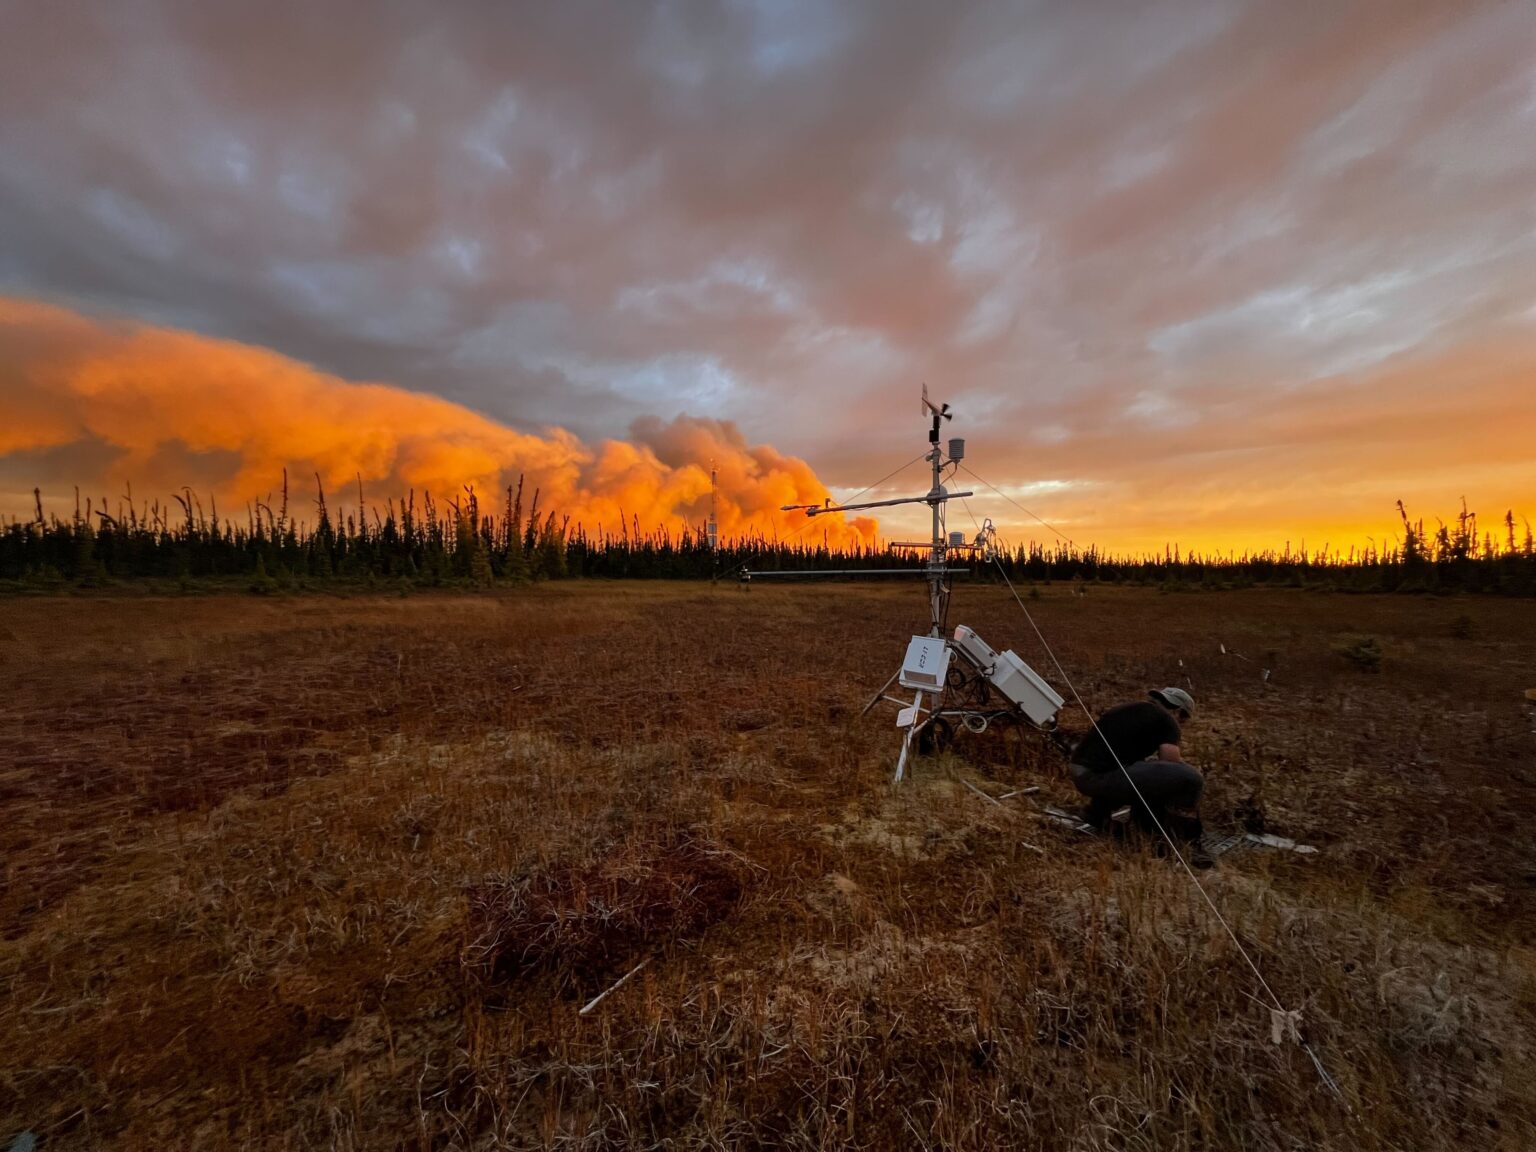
1134 731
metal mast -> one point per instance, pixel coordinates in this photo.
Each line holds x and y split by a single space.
956 680
938 578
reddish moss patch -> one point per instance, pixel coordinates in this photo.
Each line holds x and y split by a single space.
591 921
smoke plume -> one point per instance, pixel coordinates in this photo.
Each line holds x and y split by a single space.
116 403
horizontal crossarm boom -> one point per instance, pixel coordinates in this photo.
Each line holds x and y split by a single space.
819 510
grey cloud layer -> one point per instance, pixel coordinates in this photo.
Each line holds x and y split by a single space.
1095 229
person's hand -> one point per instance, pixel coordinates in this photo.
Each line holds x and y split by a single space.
1170 752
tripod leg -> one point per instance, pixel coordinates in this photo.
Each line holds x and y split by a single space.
906 741
878 695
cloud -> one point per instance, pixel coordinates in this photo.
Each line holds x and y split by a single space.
159 409
1100 233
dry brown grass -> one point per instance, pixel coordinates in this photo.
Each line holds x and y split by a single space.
340 873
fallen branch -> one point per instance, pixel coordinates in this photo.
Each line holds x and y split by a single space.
1030 791
983 795
612 988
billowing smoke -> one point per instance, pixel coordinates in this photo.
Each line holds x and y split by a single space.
160 409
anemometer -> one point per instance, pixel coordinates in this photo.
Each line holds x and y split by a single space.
957 679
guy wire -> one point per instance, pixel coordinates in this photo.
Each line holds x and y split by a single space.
1016 504
1327 1080
809 520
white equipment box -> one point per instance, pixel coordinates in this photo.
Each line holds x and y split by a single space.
926 664
975 649
1021 684
1011 676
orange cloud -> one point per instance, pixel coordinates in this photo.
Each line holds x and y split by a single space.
166 408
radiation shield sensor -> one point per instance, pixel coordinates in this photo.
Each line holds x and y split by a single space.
981 686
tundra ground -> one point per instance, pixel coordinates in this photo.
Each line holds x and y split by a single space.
342 872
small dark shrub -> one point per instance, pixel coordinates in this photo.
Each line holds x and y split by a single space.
590 923
1363 652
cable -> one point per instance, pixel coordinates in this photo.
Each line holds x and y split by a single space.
1016 504
809 520
1279 1006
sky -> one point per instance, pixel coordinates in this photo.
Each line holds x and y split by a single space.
1228 275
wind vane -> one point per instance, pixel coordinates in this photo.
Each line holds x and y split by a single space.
957 678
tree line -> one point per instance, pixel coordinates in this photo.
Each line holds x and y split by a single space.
460 542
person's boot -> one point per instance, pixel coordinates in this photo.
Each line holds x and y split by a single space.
1184 826
1186 833
1096 813
1187 828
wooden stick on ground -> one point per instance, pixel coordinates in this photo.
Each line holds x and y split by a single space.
622 980
979 792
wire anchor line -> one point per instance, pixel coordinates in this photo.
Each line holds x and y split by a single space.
1289 1017
1016 504
810 520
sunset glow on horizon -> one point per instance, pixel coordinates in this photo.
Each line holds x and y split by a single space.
1233 277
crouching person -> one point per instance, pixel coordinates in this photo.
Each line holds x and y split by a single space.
1142 738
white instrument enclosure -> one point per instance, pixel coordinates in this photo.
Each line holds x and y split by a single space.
975 649
1021 684
926 664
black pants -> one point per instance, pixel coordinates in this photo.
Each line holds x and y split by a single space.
1163 784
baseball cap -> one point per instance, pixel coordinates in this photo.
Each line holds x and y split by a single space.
1174 698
